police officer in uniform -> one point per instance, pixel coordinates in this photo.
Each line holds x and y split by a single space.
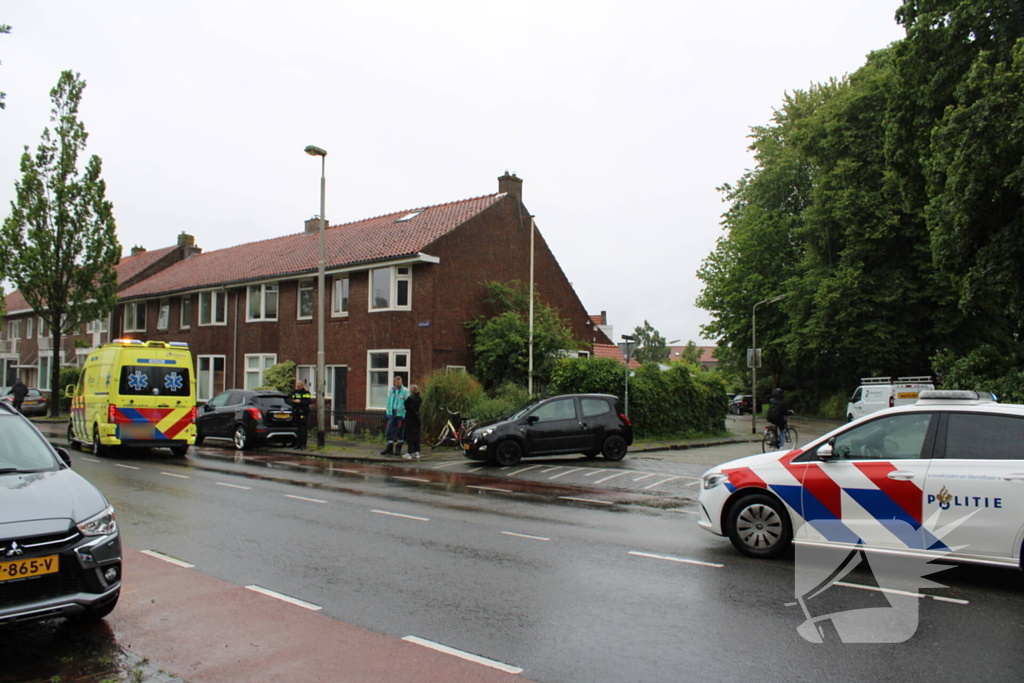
300 400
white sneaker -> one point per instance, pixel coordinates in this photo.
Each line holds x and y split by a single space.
416 455
406 456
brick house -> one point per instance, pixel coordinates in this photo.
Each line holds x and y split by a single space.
399 289
26 347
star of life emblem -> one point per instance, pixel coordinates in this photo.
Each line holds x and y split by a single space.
173 382
137 380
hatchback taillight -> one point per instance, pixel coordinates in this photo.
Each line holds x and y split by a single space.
622 416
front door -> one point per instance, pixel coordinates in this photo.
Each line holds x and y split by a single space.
553 427
872 490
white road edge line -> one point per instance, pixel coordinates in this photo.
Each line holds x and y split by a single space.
127 467
501 666
535 538
940 598
308 500
286 598
489 488
676 559
233 486
179 476
398 514
587 500
167 558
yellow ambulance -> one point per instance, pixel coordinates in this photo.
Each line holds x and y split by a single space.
135 394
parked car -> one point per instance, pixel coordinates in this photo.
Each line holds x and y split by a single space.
248 418
937 479
60 550
590 424
35 402
742 404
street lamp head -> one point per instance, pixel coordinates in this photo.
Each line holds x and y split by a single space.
628 337
315 151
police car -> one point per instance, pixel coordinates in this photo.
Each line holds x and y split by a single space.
941 478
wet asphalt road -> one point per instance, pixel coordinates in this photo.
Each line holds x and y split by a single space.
577 577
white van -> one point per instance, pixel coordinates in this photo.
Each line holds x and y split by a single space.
876 393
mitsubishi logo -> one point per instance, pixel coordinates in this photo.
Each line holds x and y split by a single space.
13 550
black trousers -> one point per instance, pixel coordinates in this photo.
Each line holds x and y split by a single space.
303 431
412 435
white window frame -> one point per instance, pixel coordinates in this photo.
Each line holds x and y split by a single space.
341 301
394 277
455 368
201 391
163 318
99 325
265 292
329 384
131 316
44 375
305 286
217 305
392 369
185 312
307 374
28 328
14 330
42 329
264 361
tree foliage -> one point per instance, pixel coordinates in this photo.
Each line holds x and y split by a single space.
59 244
888 206
501 342
4 28
650 345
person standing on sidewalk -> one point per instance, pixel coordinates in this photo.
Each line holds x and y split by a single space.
412 422
300 400
395 414
19 391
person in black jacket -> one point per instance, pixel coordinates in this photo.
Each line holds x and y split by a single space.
778 411
19 391
300 400
412 422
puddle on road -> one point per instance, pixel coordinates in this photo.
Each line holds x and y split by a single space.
59 651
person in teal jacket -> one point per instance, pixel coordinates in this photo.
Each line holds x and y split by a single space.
396 416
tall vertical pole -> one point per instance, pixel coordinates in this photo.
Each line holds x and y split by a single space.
321 364
529 381
753 368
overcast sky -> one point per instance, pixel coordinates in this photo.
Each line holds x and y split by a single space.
621 118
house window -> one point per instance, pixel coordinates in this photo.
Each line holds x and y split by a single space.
14 329
262 302
391 288
185 319
45 368
307 375
455 368
96 326
28 328
255 365
305 300
339 302
134 316
163 320
43 328
213 308
382 368
211 377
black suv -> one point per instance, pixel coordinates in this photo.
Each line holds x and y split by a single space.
590 424
248 418
60 551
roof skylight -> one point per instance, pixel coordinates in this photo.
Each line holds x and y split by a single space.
409 216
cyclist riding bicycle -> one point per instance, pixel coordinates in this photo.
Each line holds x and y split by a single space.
778 412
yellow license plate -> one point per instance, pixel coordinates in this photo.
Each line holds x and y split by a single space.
465 446
23 569
139 431
282 416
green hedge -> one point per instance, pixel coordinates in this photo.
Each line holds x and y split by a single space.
443 391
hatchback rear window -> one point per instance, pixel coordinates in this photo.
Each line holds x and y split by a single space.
592 407
272 402
155 380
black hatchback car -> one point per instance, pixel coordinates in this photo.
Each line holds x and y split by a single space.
60 550
248 418
590 424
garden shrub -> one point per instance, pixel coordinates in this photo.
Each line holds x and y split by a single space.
68 376
443 391
281 377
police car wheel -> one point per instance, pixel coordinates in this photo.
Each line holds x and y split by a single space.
759 526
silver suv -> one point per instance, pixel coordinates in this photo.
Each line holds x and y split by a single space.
60 551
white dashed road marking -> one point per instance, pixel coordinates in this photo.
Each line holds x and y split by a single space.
422 481
489 488
646 476
676 559
127 467
494 664
899 592
525 469
308 500
179 476
611 476
233 486
90 459
397 514
587 500
659 483
286 598
167 558
535 538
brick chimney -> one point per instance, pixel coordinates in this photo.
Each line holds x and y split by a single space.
511 184
313 224
187 245
137 250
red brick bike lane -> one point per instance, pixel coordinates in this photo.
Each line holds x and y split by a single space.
209 631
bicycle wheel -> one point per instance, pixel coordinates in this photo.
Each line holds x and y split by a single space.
791 437
768 442
446 434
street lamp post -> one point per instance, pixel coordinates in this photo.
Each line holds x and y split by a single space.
321 370
754 358
627 347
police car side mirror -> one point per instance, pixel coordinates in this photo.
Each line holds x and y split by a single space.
826 451
64 456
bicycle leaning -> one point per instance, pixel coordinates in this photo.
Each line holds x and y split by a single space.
770 440
455 430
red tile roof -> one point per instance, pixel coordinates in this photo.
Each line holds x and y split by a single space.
366 241
597 319
614 352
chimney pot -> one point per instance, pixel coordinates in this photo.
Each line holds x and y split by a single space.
186 240
511 184
136 250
